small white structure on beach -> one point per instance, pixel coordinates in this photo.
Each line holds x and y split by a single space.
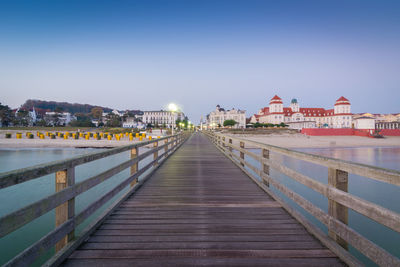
364 123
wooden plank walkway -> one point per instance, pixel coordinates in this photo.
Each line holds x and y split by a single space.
199 209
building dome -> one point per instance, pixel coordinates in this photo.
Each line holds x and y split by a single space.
294 101
342 101
276 100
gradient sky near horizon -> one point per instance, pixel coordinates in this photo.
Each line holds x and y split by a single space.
146 54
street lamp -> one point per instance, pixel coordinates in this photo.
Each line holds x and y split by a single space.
173 108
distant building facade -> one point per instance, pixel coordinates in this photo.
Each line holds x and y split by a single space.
217 117
162 117
55 118
338 117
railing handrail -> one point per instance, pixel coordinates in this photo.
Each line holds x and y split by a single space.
335 191
68 221
377 173
22 175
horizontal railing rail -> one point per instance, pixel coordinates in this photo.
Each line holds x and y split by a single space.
63 200
336 220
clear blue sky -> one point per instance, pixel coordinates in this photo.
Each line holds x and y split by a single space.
145 54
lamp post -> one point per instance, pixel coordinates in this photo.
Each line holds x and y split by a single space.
173 108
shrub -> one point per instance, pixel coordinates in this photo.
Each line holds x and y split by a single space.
8 135
52 136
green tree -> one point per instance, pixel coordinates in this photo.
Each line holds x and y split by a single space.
229 123
22 118
97 113
113 121
42 123
5 115
58 110
82 120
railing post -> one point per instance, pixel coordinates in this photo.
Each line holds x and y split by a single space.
339 180
242 153
223 142
230 148
265 155
65 211
134 167
166 147
155 155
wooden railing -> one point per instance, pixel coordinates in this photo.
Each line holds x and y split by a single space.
340 235
63 200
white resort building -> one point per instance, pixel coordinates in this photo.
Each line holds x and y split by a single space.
294 116
217 117
162 117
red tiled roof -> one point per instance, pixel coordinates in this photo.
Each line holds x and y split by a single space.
342 98
276 100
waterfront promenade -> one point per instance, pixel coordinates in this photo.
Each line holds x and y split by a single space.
199 208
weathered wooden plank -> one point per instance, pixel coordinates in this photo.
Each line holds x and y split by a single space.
201 261
291 245
200 238
292 253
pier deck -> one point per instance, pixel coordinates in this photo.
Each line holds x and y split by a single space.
199 208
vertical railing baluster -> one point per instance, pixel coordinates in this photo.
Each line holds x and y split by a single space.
230 147
135 166
166 147
265 155
242 153
155 155
65 211
339 180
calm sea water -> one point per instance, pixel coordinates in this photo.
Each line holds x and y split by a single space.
15 197
380 193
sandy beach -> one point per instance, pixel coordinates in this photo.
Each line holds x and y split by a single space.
59 142
303 141
81 143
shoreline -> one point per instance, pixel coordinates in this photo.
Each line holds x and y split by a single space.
61 143
293 141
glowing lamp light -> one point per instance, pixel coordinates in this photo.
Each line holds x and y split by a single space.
172 107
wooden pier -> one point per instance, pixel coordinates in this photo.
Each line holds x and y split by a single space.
198 208
201 199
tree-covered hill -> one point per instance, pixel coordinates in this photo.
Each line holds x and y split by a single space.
64 106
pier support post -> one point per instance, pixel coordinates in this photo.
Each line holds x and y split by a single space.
155 155
134 167
265 155
65 211
339 180
242 153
